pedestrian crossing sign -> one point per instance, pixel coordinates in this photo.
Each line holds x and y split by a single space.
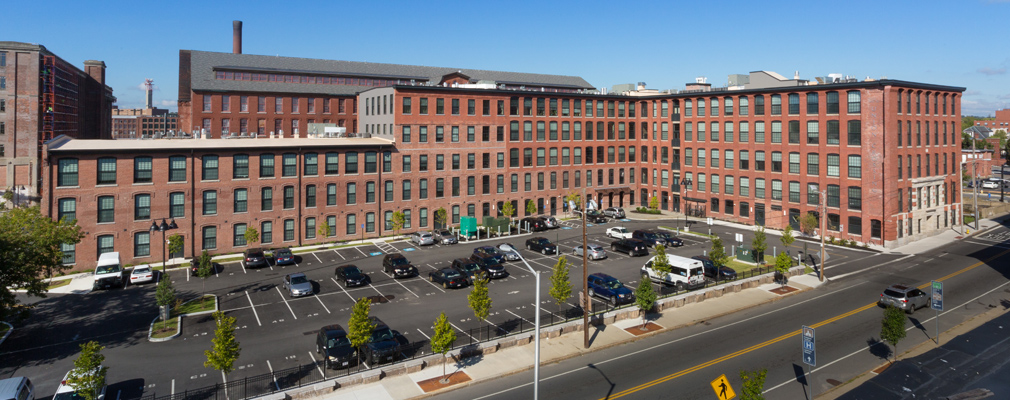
722 388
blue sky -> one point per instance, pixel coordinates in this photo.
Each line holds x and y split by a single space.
665 43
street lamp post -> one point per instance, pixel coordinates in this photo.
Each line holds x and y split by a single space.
162 228
536 335
685 184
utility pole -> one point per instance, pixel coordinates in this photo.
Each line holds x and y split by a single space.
824 224
974 178
585 276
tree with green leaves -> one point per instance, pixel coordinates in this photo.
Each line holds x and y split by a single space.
782 264
718 253
88 376
561 284
661 263
787 236
225 349
175 243
31 250
397 221
809 223
507 209
360 326
204 269
251 235
480 299
575 198
654 203
753 385
165 294
759 245
892 327
645 298
441 217
442 340
531 207
1002 136
325 230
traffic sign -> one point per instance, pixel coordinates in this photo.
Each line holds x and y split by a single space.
937 297
809 348
722 388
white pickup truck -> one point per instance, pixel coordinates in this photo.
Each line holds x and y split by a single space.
619 232
686 273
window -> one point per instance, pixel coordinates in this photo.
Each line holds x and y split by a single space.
776 161
776 189
776 104
423 107
289 164
759 188
813 194
728 106
422 191
310 228
406 134
371 160
141 244
855 226
776 132
289 197
455 106
855 132
240 167
241 200
266 232
855 166
701 107
369 222
855 198
833 222
439 108
813 164
352 225
832 102
351 163
209 202
289 230
106 171
759 161
142 170
177 205
310 196
875 228
388 191
759 132
106 244
266 165
853 97
67 210
812 101
794 163
833 194
142 207
833 165
794 132
833 137
794 103
266 199
701 157
177 169
209 237
405 192
794 192
106 209
406 105
744 159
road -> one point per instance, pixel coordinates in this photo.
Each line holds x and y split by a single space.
682 363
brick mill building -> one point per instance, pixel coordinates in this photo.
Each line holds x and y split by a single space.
414 139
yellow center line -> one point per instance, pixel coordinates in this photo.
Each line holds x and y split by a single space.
783 337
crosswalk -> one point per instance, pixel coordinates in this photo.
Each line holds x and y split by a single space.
386 247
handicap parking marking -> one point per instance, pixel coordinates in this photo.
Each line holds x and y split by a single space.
409 249
376 253
566 228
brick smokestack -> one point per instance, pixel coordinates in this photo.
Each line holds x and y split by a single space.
236 37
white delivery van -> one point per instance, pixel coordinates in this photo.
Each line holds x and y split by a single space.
686 273
109 272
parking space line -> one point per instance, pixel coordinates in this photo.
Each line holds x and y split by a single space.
341 255
517 316
422 333
253 307
324 305
317 257
376 290
285 300
358 248
243 267
465 332
433 284
317 364
187 274
411 291
344 290
430 266
272 376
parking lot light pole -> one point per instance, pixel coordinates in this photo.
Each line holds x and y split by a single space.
536 337
162 228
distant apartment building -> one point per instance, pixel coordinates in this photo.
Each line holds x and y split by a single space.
140 123
1000 122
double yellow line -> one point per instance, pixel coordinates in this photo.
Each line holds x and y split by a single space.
781 338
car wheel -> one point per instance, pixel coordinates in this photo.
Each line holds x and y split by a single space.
318 351
592 292
543 251
680 286
613 248
430 278
528 247
645 276
911 309
445 285
613 300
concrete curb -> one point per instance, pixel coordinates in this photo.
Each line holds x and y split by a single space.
178 325
10 330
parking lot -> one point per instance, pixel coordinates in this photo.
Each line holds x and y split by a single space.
276 332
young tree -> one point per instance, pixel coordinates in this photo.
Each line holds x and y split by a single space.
205 268
531 207
753 384
808 223
561 284
575 198
654 203
507 210
480 299
787 236
251 235
88 376
398 221
225 349
175 243
645 297
443 339
165 294
758 245
440 217
892 327
782 264
360 326
324 230
718 253
661 263
30 247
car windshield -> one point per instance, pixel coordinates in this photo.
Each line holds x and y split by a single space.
283 253
298 279
445 233
451 274
382 334
352 271
595 248
107 269
398 260
141 270
470 267
339 341
893 293
68 396
255 254
613 284
426 235
621 230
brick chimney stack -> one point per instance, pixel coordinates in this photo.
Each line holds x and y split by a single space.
236 37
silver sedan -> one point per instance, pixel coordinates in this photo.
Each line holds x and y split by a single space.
510 252
423 238
595 252
297 285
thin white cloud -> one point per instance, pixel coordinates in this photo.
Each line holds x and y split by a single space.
169 103
992 71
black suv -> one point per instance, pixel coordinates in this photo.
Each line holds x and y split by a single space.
494 268
350 275
398 266
332 339
490 251
255 258
384 345
633 247
542 245
650 238
595 217
671 241
534 224
724 273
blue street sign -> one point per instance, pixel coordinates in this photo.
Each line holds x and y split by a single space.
937 296
809 349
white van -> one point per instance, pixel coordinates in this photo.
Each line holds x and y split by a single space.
685 272
109 272
19 388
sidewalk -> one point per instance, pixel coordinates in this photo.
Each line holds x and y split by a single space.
515 354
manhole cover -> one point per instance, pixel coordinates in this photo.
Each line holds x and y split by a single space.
380 299
834 382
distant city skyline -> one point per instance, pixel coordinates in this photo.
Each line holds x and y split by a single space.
665 44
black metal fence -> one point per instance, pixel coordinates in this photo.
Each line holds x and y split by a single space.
308 374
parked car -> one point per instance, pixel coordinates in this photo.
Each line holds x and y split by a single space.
619 232
332 339
284 257
595 252
67 392
608 287
722 273
384 345
633 247
350 275
471 271
19 387
141 275
595 217
542 245
510 252
551 222
614 212
297 285
671 240
491 251
905 297
448 278
990 184
254 258
398 266
444 236
422 238
533 223
489 263
649 237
